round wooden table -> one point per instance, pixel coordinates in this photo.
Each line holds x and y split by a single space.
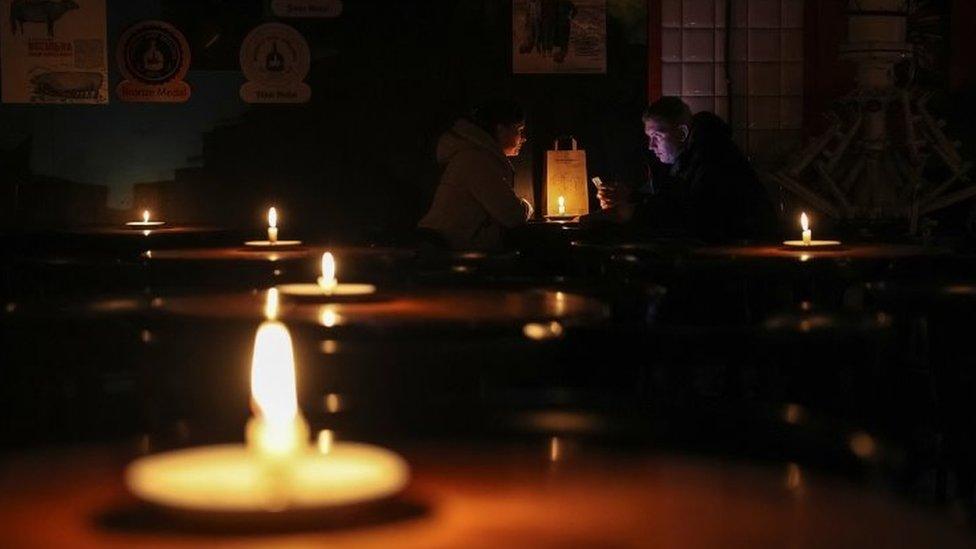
284 253
845 251
161 230
554 493
462 308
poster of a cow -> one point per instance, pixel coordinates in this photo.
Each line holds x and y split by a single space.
53 51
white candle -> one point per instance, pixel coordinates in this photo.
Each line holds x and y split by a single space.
279 469
805 224
145 221
272 225
327 286
562 205
328 281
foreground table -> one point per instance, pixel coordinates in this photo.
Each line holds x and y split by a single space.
553 494
244 253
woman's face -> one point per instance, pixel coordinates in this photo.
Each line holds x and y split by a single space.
510 137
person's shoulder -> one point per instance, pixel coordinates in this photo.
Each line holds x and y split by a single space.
709 126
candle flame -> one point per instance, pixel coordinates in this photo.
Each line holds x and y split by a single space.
562 204
271 304
273 375
325 441
804 221
328 266
273 218
145 216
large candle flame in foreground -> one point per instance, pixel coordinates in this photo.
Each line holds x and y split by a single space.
145 216
277 429
273 375
804 221
272 218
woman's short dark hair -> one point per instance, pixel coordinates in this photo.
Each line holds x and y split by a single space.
493 112
670 110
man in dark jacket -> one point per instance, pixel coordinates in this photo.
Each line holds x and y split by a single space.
701 186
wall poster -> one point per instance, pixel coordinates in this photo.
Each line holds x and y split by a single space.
559 36
275 59
53 51
153 57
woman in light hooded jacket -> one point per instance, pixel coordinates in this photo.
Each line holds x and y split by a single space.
475 200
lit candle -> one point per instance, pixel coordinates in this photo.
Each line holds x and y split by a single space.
562 205
328 281
277 432
279 469
807 241
327 287
272 225
271 304
145 221
805 224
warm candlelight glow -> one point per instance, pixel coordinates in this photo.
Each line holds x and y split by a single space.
328 266
327 286
325 441
328 317
562 205
273 225
145 222
805 224
279 469
273 374
277 429
328 280
271 304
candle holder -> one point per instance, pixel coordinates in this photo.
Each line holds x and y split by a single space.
272 242
230 479
145 223
327 288
275 245
812 244
277 472
807 242
339 292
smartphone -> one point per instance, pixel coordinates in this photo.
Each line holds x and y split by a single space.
597 182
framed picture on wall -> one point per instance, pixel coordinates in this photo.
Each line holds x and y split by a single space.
559 36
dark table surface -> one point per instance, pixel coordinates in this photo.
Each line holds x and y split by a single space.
551 493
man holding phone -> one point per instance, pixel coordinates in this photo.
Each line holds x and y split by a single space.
700 186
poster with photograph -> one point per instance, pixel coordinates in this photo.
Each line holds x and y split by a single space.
53 51
559 36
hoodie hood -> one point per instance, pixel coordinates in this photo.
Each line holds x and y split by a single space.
465 135
707 127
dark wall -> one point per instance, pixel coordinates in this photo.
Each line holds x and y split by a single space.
386 78
359 158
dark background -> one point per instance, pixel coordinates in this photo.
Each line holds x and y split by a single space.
356 162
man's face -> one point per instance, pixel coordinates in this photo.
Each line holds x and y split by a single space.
665 141
511 137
